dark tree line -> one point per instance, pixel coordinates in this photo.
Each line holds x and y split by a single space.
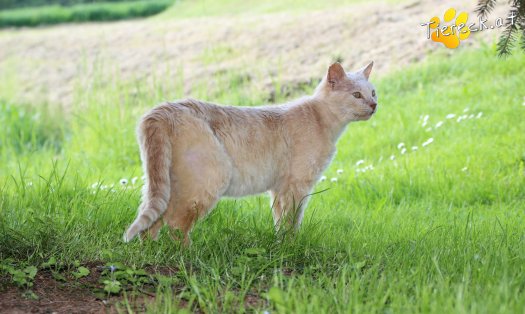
513 31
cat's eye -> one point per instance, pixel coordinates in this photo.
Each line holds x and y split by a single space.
373 93
357 95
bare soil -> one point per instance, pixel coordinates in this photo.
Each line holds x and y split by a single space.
73 296
55 296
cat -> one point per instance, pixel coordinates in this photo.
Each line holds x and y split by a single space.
194 152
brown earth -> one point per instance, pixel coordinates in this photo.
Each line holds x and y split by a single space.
72 296
46 64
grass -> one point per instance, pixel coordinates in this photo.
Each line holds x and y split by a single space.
436 230
208 8
100 11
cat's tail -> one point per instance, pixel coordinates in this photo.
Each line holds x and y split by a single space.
155 148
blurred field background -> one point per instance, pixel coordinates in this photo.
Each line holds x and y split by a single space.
423 208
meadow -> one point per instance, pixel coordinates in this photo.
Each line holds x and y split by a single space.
422 209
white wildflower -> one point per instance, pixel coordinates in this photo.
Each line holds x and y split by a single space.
322 179
134 180
123 181
392 157
340 171
400 145
480 114
403 151
360 162
464 169
414 148
429 141
466 109
471 116
425 121
30 184
333 180
95 185
461 118
450 116
439 124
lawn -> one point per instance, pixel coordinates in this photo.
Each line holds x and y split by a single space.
422 209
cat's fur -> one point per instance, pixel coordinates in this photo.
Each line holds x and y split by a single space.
194 152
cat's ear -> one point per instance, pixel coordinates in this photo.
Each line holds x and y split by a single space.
366 70
336 73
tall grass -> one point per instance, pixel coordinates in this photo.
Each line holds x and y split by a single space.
438 229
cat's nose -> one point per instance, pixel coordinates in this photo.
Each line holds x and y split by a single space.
373 106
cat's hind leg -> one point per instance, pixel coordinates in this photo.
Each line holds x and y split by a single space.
201 173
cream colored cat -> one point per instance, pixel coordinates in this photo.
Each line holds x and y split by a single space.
193 152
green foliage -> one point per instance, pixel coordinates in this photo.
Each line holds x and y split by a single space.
100 11
10 4
513 31
22 275
117 276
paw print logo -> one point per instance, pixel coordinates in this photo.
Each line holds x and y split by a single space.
451 35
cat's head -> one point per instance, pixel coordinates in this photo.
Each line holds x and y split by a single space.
349 94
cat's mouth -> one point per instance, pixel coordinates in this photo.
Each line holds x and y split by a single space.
367 115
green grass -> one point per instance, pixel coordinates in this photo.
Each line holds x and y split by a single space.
100 11
436 230
208 8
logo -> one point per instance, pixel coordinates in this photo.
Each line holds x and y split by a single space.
456 27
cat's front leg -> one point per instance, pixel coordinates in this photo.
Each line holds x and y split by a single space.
288 205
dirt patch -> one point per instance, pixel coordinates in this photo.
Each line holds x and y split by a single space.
71 296
55 296
47 64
